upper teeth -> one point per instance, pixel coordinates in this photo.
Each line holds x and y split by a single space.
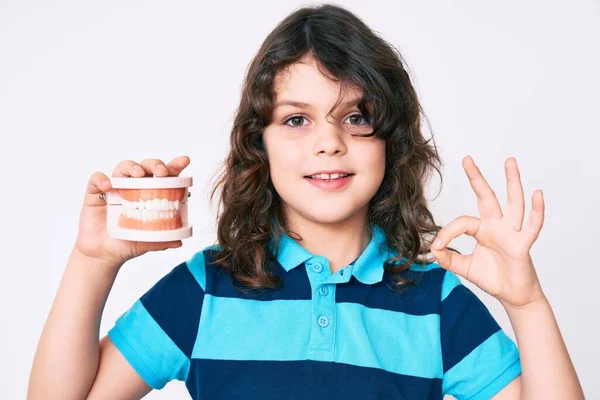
328 176
154 204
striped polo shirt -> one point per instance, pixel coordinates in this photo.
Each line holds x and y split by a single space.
345 335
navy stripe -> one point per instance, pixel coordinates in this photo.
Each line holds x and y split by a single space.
296 285
465 323
306 379
175 302
415 300
422 299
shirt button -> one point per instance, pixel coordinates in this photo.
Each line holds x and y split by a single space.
324 290
323 321
317 267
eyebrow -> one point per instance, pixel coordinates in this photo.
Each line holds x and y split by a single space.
300 104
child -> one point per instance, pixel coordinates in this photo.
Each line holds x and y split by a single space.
318 287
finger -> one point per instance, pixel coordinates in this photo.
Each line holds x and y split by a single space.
128 168
515 203
454 262
486 198
535 222
450 260
176 165
154 166
157 246
98 183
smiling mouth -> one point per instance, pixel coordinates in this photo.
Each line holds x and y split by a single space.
327 177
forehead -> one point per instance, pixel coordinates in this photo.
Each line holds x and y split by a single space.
304 81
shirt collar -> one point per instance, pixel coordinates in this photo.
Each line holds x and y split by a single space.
367 268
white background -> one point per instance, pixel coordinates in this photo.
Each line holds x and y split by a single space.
84 85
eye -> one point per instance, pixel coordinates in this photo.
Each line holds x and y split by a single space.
292 118
360 117
300 118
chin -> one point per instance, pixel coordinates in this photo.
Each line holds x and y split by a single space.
329 215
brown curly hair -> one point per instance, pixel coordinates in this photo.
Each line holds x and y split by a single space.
349 51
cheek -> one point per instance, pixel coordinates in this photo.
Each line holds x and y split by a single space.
284 160
285 167
375 158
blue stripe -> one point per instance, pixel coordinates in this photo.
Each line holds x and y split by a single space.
465 323
450 281
497 363
148 348
197 266
253 330
175 303
377 339
303 380
415 300
365 337
296 285
426 267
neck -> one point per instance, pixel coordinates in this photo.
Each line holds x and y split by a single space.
341 242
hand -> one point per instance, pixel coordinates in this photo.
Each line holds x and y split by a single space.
501 264
93 240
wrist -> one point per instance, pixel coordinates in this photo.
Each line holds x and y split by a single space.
96 264
538 302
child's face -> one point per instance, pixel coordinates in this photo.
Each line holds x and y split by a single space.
309 143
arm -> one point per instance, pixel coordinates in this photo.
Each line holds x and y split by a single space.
547 370
69 359
501 265
116 379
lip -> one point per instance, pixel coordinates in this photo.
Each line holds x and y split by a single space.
333 185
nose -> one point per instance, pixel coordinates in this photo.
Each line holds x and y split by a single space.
330 139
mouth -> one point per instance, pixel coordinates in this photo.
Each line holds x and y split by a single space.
330 180
329 175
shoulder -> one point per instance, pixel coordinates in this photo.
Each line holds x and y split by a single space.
198 262
188 275
433 279
452 294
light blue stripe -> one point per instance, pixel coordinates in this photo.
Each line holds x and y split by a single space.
242 329
148 348
135 360
493 362
493 388
393 341
451 281
197 267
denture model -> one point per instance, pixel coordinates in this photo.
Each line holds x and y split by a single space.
148 209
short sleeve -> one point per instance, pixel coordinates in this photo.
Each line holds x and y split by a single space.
158 332
479 359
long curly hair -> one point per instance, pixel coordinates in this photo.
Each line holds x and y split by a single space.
349 51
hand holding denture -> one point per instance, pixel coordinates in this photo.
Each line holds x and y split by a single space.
93 239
